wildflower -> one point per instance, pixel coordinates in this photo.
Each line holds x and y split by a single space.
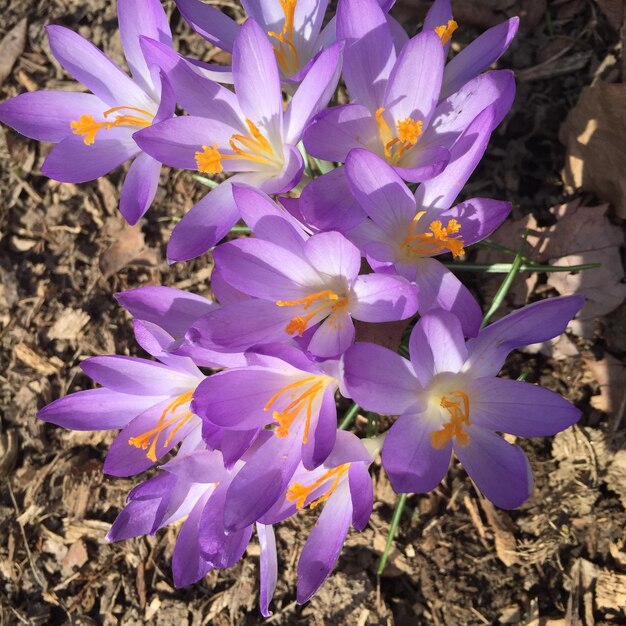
94 132
447 398
241 133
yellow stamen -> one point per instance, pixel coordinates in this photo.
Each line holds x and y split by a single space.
408 133
88 127
286 52
149 439
257 149
439 238
327 299
459 416
445 31
285 418
299 492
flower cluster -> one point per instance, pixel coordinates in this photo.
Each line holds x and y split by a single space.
240 400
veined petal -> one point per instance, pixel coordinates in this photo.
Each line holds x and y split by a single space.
423 163
322 432
383 298
332 254
478 217
210 23
500 470
361 494
268 566
139 189
333 337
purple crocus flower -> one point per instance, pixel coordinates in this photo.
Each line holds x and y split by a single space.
403 233
298 285
344 485
242 132
94 132
447 398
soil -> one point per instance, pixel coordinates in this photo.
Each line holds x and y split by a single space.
64 252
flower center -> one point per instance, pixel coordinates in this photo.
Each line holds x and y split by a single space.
285 50
179 415
457 404
308 389
408 133
87 127
325 300
255 148
437 240
445 31
299 492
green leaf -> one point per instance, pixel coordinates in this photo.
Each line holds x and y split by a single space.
203 180
349 416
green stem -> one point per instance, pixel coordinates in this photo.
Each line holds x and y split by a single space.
505 268
349 416
395 521
207 182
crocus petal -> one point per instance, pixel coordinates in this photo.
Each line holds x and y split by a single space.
379 191
369 55
204 225
382 298
333 337
71 161
499 469
200 466
174 310
478 217
141 17
322 432
321 551
331 253
94 69
272 182
128 374
140 186
440 288
255 72
327 204
439 192
210 23
361 494
415 81
438 14
410 460
313 93
188 566
380 380
268 565
237 398
534 323
47 115
478 56
95 409
519 408
437 345
337 130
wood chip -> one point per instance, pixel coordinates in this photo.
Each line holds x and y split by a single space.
11 47
32 359
69 325
506 546
611 591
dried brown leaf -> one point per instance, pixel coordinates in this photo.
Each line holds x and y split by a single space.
129 245
614 11
610 374
69 324
35 361
11 47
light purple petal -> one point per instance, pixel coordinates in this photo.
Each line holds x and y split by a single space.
438 14
382 298
380 380
206 223
423 163
71 161
172 309
410 460
332 254
478 56
534 323
322 549
440 288
337 130
322 432
94 69
200 466
500 470
437 345
334 336
141 17
140 186
210 23
361 494
47 115
268 565
369 55
283 181
518 408
478 217
95 409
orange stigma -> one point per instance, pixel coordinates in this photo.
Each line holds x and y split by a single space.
299 492
457 404
255 148
149 439
445 31
408 134
438 240
286 51
312 385
88 127
326 299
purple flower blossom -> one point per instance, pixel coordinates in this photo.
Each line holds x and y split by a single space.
241 132
94 132
298 285
447 398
